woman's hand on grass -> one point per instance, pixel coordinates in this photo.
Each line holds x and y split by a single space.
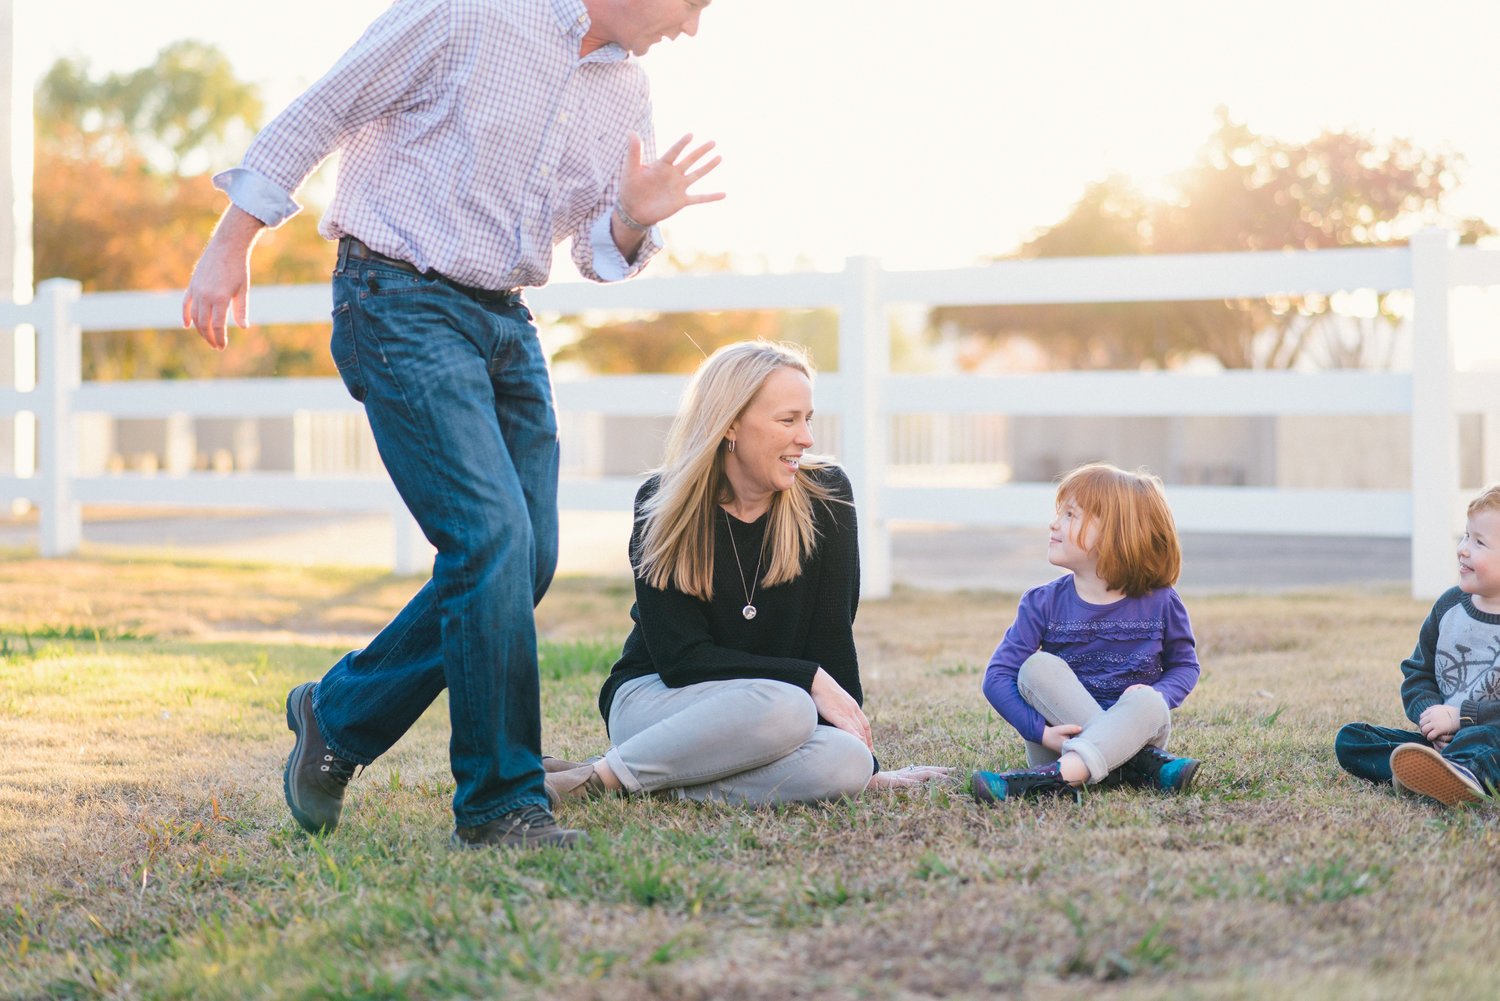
906 778
1054 737
839 709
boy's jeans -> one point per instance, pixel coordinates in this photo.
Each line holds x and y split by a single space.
460 404
1364 749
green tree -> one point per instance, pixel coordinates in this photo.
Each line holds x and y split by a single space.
1245 191
183 113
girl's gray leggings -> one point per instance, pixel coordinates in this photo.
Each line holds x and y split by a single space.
1110 736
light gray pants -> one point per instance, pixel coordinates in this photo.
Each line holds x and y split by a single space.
1110 736
745 741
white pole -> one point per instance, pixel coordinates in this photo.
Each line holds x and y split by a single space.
864 362
16 154
1434 427
59 370
16 144
414 554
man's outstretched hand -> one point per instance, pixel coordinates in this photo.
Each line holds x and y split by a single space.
658 189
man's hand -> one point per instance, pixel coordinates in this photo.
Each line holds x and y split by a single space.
651 192
1437 722
838 707
1053 737
221 281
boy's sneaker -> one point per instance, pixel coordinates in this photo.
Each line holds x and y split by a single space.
1026 783
315 777
1424 771
530 826
1153 768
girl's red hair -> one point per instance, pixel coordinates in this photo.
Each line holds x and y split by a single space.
1137 546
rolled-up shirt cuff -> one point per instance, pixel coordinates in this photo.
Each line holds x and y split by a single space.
255 193
609 264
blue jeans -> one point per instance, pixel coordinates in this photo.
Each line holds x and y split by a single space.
1364 749
460 403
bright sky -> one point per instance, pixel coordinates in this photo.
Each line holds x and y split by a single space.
934 134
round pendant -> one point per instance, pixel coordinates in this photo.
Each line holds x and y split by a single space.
748 611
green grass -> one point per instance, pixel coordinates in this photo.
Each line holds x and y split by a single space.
145 851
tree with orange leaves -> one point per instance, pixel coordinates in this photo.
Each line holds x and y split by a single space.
122 198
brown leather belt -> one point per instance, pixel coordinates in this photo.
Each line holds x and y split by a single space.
352 248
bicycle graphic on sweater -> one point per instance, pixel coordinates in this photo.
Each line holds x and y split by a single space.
1480 668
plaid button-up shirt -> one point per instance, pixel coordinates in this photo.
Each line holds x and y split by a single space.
473 139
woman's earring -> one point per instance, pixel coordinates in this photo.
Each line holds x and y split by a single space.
731 445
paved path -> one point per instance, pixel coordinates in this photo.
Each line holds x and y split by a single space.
594 544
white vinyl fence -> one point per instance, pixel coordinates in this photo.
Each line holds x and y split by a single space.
862 393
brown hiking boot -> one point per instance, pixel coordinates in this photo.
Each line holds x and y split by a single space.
529 826
315 777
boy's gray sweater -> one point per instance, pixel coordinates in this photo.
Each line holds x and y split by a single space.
1456 661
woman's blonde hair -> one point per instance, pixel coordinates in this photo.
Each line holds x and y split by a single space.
1137 548
677 543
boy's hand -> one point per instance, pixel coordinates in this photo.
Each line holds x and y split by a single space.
1437 722
1054 737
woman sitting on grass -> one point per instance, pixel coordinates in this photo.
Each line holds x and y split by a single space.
739 681
1095 660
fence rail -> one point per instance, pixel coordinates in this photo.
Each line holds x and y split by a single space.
863 393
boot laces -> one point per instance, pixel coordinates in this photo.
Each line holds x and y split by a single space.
530 816
338 769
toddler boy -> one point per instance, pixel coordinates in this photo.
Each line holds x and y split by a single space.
1452 684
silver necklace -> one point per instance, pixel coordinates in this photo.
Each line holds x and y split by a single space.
749 610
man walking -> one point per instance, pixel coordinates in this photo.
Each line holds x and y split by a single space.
474 135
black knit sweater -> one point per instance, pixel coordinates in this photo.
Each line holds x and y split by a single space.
800 625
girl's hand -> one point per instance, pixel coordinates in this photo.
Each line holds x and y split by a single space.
906 778
1054 737
1133 688
839 708
1438 721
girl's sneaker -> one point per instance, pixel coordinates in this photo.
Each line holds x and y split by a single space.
1026 783
1423 770
1153 768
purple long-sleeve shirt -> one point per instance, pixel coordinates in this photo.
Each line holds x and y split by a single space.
1146 640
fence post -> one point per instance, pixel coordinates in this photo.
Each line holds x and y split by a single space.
413 552
864 362
1434 427
59 371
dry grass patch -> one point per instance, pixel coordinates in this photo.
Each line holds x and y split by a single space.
145 850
